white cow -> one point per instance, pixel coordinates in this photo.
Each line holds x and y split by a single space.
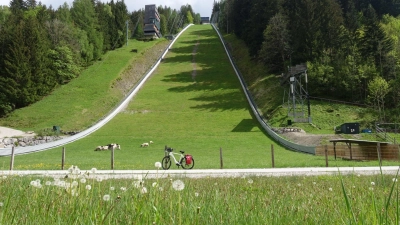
144 144
113 146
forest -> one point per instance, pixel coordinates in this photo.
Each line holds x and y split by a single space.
44 48
351 47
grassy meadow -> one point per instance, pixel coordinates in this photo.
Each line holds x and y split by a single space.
84 199
192 102
85 100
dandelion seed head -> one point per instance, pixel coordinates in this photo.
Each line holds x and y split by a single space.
1 204
330 189
178 185
106 197
88 187
154 184
112 188
74 183
99 179
371 188
123 188
394 180
250 181
299 184
137 184
157 165
143 190
83 180
314 183
93 170
161 188
196 194
372 183
4 177
48 183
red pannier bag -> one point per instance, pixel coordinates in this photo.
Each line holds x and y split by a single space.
188 159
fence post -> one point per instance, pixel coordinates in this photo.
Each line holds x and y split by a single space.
378 148
63 158
112 158
12 158
272 156
326 155
220 158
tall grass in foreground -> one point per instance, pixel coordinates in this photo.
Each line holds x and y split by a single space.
83 199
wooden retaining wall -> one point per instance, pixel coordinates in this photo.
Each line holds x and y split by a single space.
360 152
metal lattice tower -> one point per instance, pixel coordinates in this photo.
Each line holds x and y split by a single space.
298 95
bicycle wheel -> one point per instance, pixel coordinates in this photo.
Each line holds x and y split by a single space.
187 166
166 162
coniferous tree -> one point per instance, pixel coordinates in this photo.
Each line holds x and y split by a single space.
84 16
275 49
374 45
120 13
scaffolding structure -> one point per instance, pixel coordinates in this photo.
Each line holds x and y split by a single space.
298 97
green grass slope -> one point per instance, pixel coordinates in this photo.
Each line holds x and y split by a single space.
83 101
192 102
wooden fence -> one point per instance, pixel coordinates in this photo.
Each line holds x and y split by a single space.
360 152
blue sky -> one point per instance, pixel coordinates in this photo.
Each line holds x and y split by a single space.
203 7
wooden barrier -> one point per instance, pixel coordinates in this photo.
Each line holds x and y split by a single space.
360 151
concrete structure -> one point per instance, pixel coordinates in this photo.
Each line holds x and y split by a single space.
151 22
204 20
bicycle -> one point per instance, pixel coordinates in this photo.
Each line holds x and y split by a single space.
186 161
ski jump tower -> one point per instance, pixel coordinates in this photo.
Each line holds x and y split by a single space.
298 94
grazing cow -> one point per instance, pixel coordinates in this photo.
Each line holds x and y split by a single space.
113 146
98 148
144 144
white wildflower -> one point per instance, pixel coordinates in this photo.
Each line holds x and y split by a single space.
106 197
178 185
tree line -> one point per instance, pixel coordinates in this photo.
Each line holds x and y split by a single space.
43 48
351 47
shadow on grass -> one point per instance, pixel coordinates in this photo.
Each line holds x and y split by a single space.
246 125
